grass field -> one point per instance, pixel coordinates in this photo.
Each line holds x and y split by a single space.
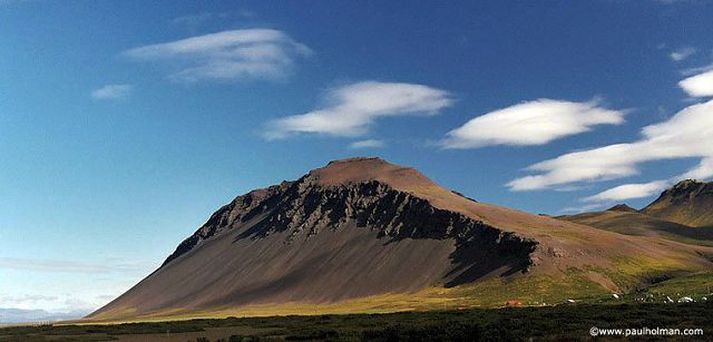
561 322
464 315
530 290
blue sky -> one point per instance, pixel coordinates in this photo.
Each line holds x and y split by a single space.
125 124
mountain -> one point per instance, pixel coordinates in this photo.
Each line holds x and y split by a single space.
689 203
682 213
626 220
12 315
622 208
365 235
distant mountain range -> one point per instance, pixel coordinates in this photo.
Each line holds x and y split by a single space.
365 235
9 315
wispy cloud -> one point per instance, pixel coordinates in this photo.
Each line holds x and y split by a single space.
353 108
531 123
703 170
65 266
31 306
628 191
112 92
582 208
227 55
24 299
682 53
697 70
368 143
685 135
11 2
700 85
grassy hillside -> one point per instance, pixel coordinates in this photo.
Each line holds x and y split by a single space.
638 224
689 202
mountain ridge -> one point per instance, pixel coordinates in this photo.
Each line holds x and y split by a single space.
681 212
689 202
363 227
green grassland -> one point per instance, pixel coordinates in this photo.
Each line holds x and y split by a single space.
697 285
561 322
528 289
462 313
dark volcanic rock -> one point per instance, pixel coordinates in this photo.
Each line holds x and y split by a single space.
304 208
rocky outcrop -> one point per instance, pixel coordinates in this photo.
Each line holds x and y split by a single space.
227 216
304 208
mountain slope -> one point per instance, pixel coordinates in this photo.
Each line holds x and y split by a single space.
689 203
361 230
625 220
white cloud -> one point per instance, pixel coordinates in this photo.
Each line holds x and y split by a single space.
697 70
353 108
700 85
23 299
629 191
368 143
583 208
112 91
682 53
11 2
227 55
531 123
702 171
685 135
60 303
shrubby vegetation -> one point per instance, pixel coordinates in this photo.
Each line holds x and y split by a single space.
562 322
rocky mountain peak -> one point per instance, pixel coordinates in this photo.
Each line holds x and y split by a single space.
360 170
685 190
355 161
690 187
689 202
363 169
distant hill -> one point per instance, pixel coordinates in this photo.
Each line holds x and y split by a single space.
622 208
683 213
365 235
632 222
689 203
10 315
